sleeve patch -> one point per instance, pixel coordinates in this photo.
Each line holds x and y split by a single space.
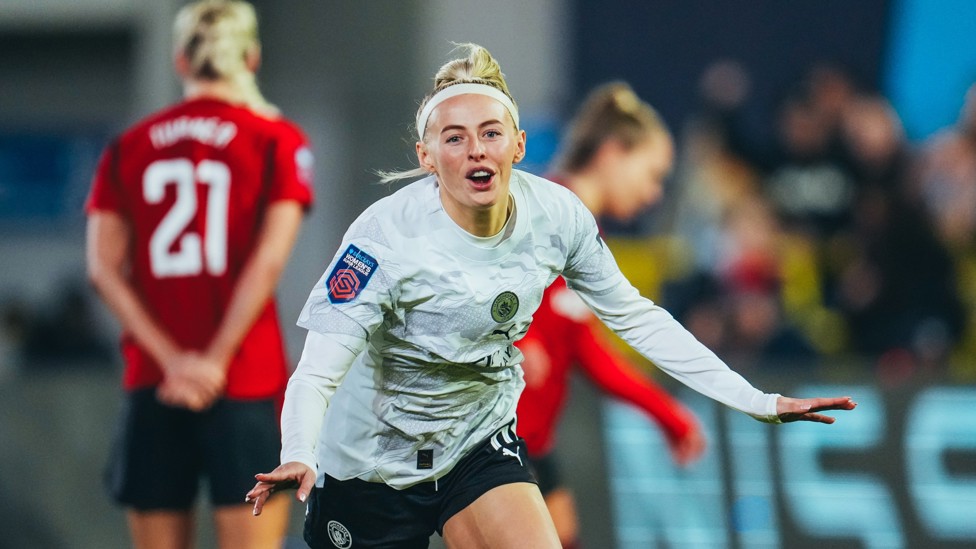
305 162
350 275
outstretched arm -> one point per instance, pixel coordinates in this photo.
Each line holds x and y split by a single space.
324 364
660 338
617 376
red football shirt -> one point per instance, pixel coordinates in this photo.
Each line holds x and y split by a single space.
565 329
194 182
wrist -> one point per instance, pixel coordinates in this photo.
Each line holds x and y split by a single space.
219 355
306 458
166 356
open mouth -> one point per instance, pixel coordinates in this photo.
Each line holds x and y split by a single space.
481 176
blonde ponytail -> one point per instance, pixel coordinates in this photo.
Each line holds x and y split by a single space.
216 37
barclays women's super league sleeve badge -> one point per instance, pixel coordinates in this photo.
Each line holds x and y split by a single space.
350 275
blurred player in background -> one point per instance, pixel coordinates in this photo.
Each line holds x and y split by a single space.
615 158
191 218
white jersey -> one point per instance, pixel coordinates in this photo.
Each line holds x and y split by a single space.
441 309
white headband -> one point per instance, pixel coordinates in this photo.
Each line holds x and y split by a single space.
461 89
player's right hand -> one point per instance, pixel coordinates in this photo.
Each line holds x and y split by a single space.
287 475
807 409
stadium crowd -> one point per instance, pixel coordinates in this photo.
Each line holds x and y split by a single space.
835 240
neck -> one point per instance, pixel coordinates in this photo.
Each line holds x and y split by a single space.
215 89
486 222
586 185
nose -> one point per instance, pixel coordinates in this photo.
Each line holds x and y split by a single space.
476 150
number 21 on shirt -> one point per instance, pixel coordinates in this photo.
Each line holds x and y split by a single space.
193 253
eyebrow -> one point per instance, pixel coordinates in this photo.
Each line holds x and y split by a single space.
482 125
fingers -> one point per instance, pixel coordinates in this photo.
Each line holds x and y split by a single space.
841 403
805 409
260 488
281 481
184 396
285 476
824 404
308 482
277 478
817 418
193 372
262 492
259 499
259 495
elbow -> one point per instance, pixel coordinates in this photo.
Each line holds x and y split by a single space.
270 267
94 275
275 267
99 276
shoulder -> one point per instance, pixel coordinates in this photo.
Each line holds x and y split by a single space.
535 182
275 127
541 188
142 126
389 234
402 215
280 125
412 202
546 198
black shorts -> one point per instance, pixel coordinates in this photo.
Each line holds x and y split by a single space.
356 513
161 453
546 471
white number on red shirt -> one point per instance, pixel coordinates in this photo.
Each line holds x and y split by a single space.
191 255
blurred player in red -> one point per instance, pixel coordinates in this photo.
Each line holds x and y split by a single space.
191 218
617 153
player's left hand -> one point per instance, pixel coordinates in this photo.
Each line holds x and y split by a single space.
193 381
806 409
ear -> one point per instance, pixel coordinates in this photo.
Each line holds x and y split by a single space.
252 58
181 64
519 148
609 151
424 158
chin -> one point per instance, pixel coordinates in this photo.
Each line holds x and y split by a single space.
483 205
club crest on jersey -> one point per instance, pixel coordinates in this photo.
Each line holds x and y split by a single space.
339 535
504 307
350 275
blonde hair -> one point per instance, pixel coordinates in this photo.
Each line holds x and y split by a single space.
477 67
216 37
611 112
